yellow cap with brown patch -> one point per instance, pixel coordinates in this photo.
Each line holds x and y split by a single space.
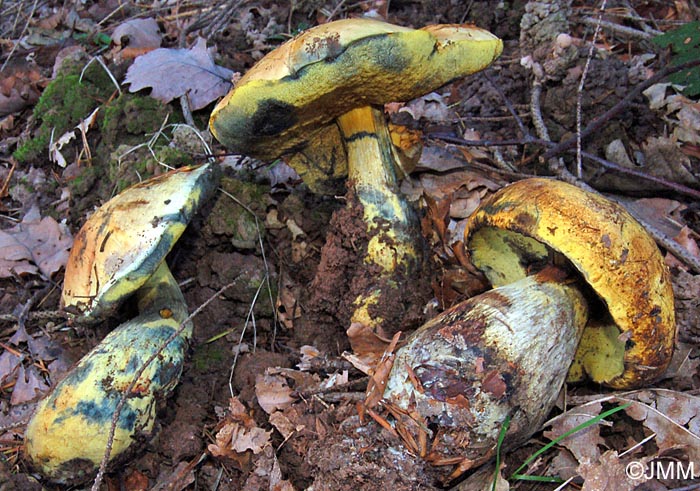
631 342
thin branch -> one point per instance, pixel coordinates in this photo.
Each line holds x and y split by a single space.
673 186
579 91
629 32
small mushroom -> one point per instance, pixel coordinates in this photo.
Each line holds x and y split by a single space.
120 251
322 94
577 280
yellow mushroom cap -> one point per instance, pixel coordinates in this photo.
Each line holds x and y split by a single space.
66 438
123 242
302 86
518 227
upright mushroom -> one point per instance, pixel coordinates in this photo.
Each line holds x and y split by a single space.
577 280
119 251
323 92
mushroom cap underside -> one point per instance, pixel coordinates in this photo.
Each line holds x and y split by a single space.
124 241
522 223
302 86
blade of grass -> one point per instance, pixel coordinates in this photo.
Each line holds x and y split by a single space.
516 474
499 444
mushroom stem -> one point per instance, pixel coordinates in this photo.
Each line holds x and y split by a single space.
161 294
67 435
390 219
392 224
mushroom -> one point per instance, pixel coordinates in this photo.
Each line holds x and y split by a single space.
321 95
580 287
119 251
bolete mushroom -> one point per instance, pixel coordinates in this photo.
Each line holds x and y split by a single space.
119 251
577 280
323 92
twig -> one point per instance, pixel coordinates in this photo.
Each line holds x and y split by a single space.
579 91
125 395
557 167
509 106
673 186
630 32
24 30
679 188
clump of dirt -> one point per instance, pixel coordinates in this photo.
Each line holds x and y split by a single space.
363 457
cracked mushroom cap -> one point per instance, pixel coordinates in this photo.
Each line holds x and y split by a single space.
124 241
298 89
516 231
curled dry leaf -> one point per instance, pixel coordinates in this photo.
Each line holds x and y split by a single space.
55 146
137 33
431 107
273 392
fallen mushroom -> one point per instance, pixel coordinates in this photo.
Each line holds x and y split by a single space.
576 278
119 251
323 92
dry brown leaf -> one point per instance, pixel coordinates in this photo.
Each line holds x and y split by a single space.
287 305
582 444
30 385
34 246
136 481
272 392
672 416
686 289
20 86
239 434
282 424
366 344
430 107
685 238
444 185
172 73
665 158
607 474
9 366
255 439
137 33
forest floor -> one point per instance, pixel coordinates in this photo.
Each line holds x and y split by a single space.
266 364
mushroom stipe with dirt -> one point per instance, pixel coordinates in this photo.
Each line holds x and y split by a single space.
580 288
120 251
327 87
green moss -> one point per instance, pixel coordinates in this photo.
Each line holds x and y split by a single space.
65 102
129 117
81 184
173 157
